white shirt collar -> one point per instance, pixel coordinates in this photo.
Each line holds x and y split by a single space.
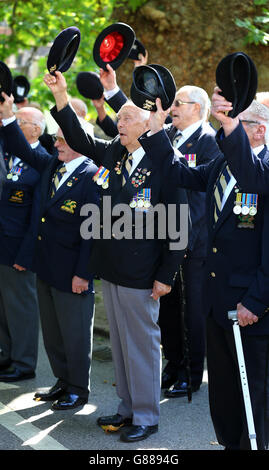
257 150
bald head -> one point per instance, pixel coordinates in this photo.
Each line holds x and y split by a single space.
32 123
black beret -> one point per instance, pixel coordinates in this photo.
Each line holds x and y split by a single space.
137 49
20 89
63 50
151 82
5 80
236 76
112 46
89 85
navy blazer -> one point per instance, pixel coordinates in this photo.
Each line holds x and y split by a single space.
60 251
19 209
202 143
237 262
128 262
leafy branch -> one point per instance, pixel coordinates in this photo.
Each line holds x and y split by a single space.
258 27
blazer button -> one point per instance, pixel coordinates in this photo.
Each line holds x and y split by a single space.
214 250
39 237
43 219
213 274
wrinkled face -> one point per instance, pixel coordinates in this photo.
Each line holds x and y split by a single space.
130 125
183 110
65 153
254 129
28 125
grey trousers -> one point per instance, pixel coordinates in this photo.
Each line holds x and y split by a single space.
19 318
135 344
67 328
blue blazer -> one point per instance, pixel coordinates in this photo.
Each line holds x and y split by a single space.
237 262
60 251
19 209
129 262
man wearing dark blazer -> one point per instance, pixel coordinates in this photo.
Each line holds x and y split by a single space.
18 219
64 281
236 273
194 137
135 271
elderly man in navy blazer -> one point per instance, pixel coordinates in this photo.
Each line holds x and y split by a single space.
194 137
236 269
64 281
135 271
18 219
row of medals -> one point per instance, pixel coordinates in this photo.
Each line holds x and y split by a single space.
136 202
15 176
244 210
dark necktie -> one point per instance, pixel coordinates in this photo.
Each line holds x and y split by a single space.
176 139
57 178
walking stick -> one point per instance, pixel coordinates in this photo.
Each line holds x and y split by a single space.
186 354
232 315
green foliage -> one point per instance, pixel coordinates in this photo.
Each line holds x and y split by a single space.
35 24
257 27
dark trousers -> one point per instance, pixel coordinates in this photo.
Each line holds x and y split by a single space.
67 328
19 318
172 325
225 392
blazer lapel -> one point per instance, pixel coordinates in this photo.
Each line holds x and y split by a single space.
131 187
69 184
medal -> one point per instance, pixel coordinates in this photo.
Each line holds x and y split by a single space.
140 203
252 210
132 204
237 209
15 178
191 159
245 210
9 176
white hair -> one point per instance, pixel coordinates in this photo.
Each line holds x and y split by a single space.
145 115
258 112
200 96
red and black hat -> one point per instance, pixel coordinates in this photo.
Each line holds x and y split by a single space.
89 85
138 48
113 45
236 76
151 82
20 88
63 50
6 80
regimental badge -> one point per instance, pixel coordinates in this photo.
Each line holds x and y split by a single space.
191 159
69 206
17 196
139 176
148 105
53 68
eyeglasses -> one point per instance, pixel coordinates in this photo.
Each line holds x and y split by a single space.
249 122
59 139
179 102
21 122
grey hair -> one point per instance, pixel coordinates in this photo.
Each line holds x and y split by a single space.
200 96
259 112
143 112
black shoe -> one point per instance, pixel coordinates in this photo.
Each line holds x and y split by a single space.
168 379
138 433
4 364
13 374
113 423
54 392
69 401
179 389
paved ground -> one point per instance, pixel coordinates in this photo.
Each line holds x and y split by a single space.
29 425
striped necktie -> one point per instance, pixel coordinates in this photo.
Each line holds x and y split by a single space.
221 185
127 168
10 162
57 178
